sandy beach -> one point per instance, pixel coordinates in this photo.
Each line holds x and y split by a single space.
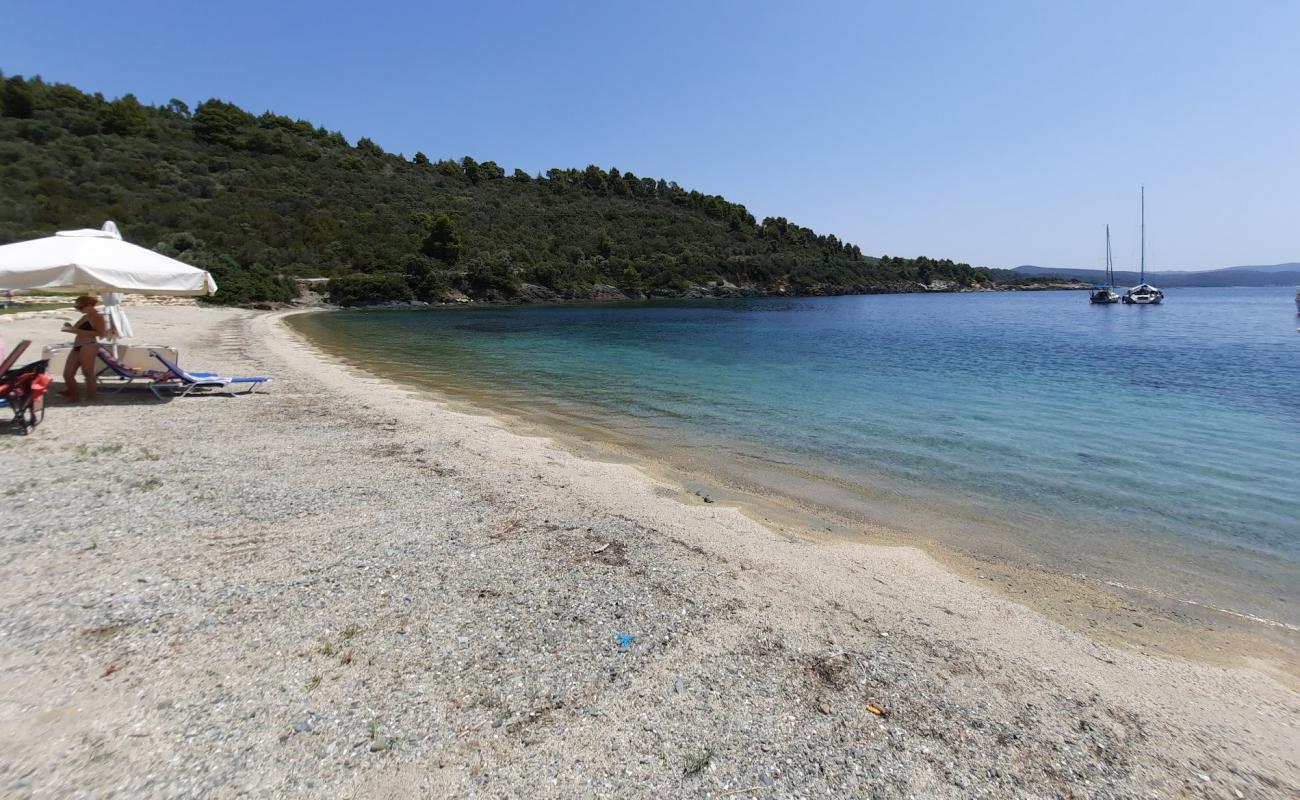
344 587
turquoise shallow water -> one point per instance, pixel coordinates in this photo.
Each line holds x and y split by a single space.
1155 446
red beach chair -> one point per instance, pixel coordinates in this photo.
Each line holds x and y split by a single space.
22 391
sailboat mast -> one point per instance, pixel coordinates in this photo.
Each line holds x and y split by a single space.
1110 274
1144 234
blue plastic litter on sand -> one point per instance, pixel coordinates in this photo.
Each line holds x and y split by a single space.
624 640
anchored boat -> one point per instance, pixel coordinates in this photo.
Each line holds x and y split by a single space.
1144 294
1105 293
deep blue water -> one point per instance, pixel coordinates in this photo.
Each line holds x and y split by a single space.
1150 444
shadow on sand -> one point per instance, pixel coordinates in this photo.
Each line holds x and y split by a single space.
110 393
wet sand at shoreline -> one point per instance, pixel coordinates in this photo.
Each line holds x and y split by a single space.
1142 616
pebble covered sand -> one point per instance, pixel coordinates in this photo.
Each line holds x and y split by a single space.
343 588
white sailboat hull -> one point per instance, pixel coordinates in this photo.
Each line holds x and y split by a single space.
1144 295
1143 300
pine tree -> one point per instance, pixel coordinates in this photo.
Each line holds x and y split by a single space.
444 240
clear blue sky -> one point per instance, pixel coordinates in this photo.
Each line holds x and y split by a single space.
999 133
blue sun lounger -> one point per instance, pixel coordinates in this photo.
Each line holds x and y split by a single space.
199 380
131 374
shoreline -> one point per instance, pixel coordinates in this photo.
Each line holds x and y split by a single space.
533 294
610 295
369 593
1141 618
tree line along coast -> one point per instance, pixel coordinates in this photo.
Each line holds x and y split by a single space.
259 200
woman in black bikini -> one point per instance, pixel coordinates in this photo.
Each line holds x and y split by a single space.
88 329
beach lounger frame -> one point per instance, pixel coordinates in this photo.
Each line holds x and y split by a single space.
128 374
190 381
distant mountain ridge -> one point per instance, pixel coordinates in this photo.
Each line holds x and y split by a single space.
1289 267
1287 274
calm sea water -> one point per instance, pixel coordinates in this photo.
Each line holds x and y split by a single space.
1155 446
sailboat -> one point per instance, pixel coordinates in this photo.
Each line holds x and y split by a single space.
1144 294
1105 293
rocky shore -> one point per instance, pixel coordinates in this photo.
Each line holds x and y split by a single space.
528 293
345 588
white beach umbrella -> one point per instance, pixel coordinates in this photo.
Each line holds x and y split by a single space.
119 325
92 260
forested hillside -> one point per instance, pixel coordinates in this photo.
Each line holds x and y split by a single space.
259 199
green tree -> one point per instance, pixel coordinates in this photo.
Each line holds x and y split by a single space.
369 147
492 272
444 240
420 159
126 117
616 184
16 98
604 244
424 279
472 170
236 284
630 279
219 122
593 178
354 290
